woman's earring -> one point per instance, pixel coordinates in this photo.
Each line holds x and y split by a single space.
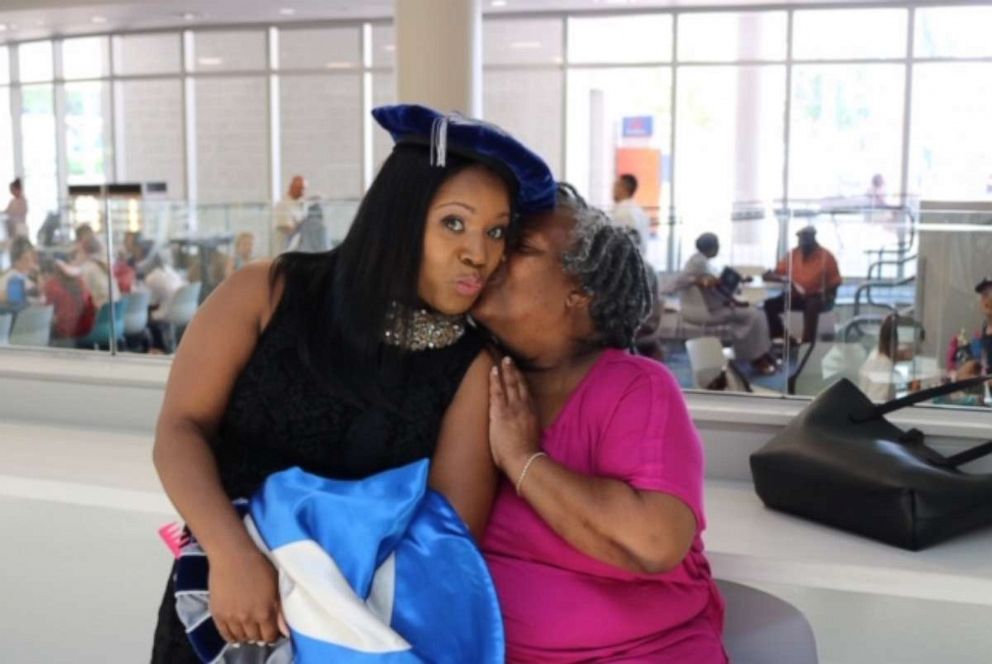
502 259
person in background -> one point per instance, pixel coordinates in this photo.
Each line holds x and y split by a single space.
17 285
162 281
289 214
875 378
124 274
975 353
594 541
84 233
92 263
627 212
311 233
244 250
812 274
752 342
16 211
64 289
876 192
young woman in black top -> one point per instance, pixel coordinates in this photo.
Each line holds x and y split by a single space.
346 363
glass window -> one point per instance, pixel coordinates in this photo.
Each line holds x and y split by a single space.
619 121
538 122
846 134
732 36
6 138
383 93
323 48
730 151
321 132
841 34
4 65
599 102
138 54
236 50
232 130
646 38
952 104
846 127
953 32
86 117
38 139
150 143
520 41
85 57
35 60
383 46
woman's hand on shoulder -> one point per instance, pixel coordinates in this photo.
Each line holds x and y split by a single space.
514 428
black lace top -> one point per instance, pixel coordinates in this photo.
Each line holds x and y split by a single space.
280 415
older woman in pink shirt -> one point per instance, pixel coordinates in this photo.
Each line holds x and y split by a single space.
594 539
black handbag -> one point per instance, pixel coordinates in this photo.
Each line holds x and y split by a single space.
840 462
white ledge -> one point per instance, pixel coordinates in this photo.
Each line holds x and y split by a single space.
749 543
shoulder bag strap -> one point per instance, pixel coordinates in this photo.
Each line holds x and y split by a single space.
923 395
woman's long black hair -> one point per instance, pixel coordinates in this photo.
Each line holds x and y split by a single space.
339 299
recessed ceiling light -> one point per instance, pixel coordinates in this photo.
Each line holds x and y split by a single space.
338 65
210 61
287 11
499 3
3 27
389 48
98 19
528 45
190 16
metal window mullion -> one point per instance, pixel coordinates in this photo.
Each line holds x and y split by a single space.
907 118
671 257
16 109
189 128
563 69
58 100
787 138
367 157
275 118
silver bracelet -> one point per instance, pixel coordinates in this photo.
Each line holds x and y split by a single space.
523 473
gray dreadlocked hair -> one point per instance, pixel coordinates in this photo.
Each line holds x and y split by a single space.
609 266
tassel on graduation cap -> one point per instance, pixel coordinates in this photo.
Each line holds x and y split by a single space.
439 141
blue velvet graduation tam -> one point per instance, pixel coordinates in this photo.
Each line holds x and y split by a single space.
474 139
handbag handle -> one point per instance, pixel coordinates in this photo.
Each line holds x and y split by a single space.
976 452
917 397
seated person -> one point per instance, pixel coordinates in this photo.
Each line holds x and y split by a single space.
244 249
91 258
74 312
876 377
748 326
124 273
594 539
979 348
162 282
18 288
813 277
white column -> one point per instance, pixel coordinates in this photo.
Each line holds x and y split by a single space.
439 54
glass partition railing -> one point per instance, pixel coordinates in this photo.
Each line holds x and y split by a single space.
884 297
124 275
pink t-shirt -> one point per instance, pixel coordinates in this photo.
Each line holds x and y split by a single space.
626 420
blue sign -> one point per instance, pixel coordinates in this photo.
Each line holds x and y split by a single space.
638 126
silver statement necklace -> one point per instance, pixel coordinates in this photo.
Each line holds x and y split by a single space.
421 329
